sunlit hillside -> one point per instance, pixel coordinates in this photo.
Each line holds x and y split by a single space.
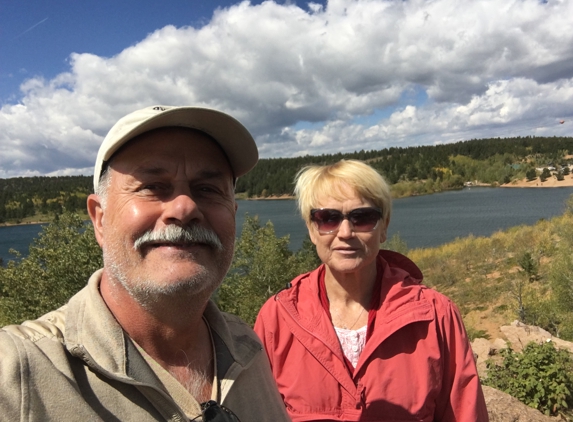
523 273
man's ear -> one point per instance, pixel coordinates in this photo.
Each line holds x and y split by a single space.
95 211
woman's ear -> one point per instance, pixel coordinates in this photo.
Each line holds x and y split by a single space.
384 231
312 232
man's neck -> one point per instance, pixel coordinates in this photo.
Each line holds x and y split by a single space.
173 334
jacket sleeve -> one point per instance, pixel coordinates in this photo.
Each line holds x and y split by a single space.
12 374
261 328
461 398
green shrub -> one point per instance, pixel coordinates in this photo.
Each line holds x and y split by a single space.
396 244
500 309
61 260
541 376
262 265
473 334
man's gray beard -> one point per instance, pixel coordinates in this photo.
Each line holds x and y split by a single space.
147 292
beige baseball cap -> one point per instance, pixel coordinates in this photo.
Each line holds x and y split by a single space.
235 140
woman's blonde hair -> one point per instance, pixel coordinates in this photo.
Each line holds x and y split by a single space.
315 182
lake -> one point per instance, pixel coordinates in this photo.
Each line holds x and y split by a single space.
421 221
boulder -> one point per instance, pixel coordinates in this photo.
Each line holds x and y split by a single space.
502 407
484 349
519 334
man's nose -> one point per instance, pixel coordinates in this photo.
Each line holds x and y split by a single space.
181 209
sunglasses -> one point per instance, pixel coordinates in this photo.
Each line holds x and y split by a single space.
328 220
212 411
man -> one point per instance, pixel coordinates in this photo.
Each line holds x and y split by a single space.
142 341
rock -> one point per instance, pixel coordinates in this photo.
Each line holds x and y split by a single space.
501 407
483 350
519 334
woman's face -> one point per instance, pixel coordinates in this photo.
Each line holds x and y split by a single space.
347 251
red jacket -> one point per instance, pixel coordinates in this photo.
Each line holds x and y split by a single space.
416 366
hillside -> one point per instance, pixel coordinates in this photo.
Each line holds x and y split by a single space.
410 171
522 273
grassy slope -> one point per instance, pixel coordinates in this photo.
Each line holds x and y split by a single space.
482 275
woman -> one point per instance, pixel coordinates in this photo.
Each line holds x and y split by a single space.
360 338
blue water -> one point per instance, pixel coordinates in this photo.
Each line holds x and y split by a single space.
421 221
432 220
18 238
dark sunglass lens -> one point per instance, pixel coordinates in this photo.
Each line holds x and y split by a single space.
364 219
327 220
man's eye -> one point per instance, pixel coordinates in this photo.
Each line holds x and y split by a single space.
208 189
153 187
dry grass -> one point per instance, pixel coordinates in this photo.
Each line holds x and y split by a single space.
483 276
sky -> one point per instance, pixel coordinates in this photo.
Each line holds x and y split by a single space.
304 77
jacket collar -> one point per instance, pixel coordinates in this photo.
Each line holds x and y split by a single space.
398 273
402 302
88 321
229 332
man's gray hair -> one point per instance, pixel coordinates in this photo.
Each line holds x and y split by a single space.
103 186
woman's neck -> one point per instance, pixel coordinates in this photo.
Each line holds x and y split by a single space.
348 289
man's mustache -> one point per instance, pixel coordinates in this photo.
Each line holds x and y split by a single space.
185 236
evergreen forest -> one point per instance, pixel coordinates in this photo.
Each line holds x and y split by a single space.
410 171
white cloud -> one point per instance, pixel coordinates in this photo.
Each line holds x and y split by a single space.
487 67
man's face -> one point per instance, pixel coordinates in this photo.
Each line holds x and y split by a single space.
162 181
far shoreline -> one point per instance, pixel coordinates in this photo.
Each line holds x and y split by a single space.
552 182
27 223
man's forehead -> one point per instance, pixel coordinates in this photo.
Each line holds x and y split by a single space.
146 158
163 137
158 167
164 141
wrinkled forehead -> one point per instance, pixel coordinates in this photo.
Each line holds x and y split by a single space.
164 146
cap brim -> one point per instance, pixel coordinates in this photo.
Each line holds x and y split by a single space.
235 140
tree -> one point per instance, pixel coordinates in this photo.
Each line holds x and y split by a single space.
263 265
561 300
60 262
528 264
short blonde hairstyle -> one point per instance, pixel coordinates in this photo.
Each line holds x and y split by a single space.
315 182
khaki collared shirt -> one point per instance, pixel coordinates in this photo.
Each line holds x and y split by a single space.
76 363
